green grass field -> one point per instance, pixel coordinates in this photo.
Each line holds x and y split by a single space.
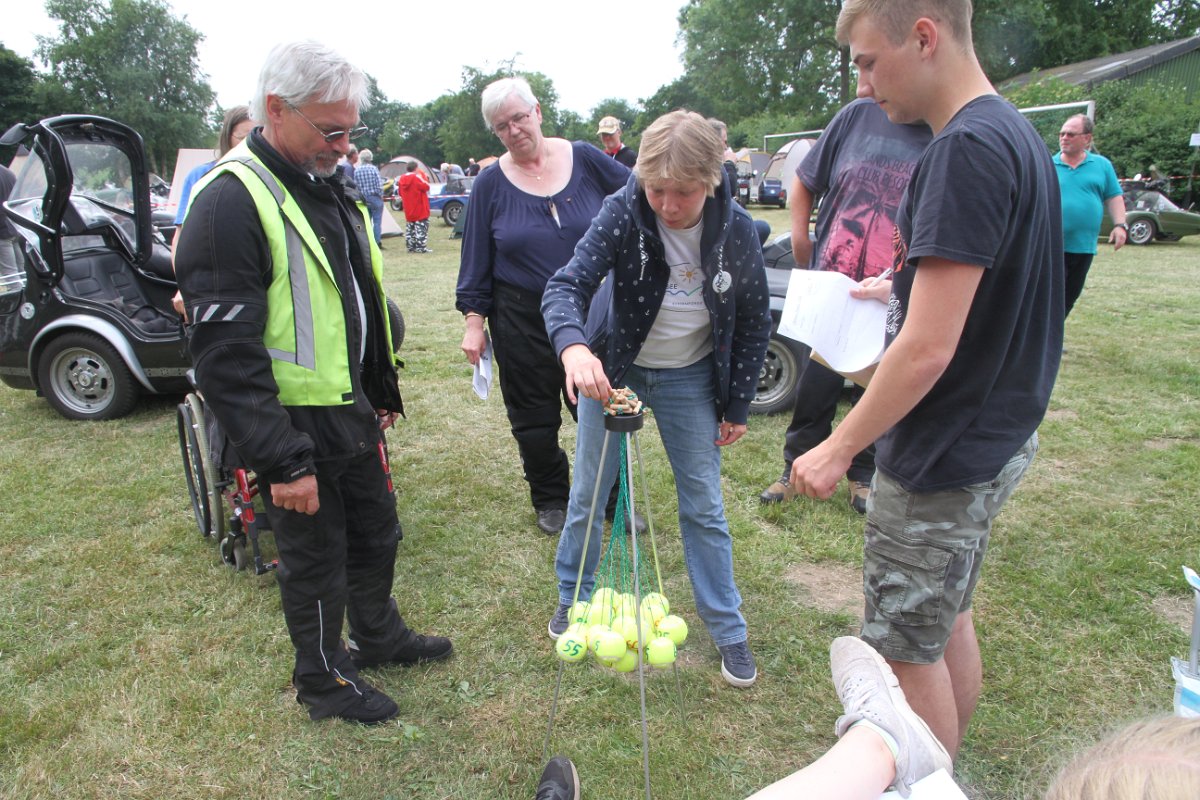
133 664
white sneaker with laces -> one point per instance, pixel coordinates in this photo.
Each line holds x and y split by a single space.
870 691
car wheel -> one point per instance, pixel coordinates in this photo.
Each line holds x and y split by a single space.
451 212
396 322
82 377
1142 232
396 203
778 377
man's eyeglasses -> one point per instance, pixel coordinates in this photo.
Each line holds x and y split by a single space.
1070 134
518 119
331 136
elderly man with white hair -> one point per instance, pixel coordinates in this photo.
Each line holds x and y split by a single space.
370 184
293 354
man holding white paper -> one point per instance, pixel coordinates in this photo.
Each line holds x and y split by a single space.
858 170
974 336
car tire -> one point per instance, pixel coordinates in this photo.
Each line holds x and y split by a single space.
396 203
779 375
1142 231
396 323
451 212
84 378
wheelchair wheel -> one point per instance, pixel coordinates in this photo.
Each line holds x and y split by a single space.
191 431
396 322
207 504
233 551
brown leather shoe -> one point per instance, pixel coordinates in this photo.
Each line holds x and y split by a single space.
859 492
778 492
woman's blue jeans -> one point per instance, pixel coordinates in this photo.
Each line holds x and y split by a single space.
684 405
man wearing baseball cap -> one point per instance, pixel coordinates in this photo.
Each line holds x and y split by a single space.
610 135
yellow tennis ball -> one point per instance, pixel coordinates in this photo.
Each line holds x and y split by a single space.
655 597
654 607
603 597
627 662
674 628
579 611
571 647
610 647
625 604
600 613
629 629
593 634
660 652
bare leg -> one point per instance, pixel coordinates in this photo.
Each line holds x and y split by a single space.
966 671
859 765
945 693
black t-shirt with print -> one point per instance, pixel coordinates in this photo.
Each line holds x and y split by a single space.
984 193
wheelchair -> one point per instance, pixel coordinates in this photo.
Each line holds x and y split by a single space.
223 498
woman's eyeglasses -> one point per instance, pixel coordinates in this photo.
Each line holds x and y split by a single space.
518 119
331 136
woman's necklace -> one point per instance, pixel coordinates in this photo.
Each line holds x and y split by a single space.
537 176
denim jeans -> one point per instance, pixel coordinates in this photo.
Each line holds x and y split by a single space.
375 206
684 407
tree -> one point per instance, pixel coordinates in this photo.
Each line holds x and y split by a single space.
413 131
18 89
1015 36
623 111
463 133
679 93
739 52
134 61
376 118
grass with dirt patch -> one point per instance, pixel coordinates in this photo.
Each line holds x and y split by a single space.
133 664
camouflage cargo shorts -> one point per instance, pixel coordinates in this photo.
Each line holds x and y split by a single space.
922 555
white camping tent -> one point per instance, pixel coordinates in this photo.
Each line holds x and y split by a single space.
783 164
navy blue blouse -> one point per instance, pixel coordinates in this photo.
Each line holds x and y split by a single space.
512 236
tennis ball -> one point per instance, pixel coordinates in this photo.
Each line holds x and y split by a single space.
571 647
628 627
674 628
610 647
627 662
625 604
655 597
660 652
654 607
593 634
579 611
600 613
603 597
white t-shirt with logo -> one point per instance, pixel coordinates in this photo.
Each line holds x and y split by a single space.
682 331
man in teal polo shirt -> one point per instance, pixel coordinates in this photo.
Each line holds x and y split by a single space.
1088 183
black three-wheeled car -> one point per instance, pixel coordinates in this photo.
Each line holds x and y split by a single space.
88 322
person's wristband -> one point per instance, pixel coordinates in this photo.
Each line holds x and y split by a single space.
1123 226
470 314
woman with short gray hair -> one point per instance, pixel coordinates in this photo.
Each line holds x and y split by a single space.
525 216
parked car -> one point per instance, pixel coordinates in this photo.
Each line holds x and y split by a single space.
771 192
781 369
450 198
88 321
1151 216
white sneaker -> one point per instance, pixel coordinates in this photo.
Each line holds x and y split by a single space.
869 690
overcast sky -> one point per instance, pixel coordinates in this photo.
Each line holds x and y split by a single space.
590 50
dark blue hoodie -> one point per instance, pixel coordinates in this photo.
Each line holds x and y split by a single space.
623 243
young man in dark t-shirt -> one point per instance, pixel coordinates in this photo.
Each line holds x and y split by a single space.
858 170
974 332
